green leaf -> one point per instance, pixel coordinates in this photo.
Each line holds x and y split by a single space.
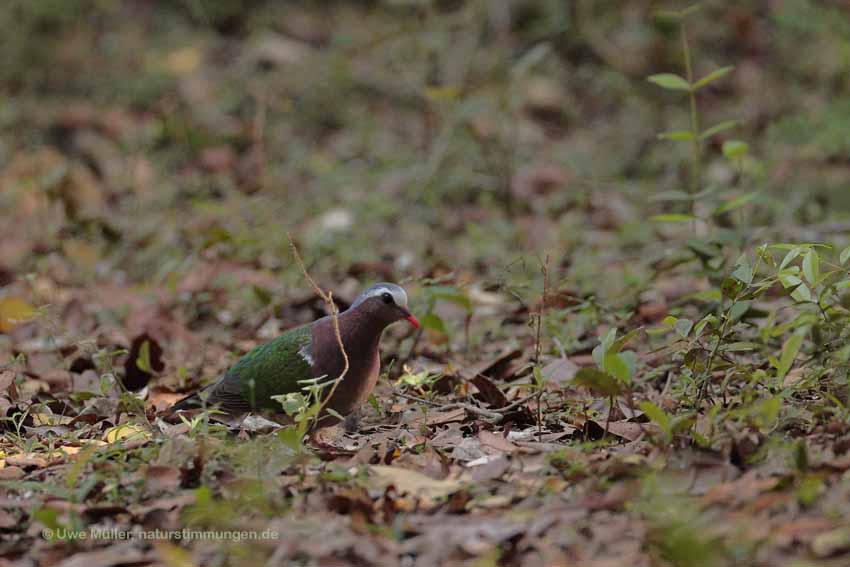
673 217
608 340
616 366
717 128
811 266
657 415
630 358
731 287
441 93
668 14
739 347
672 196
736 203
845 254
738 310
617 345
692 9
532 58
376 405
703 323
743 271
597 381
143 361
600 350
539 380
683 327
734 149
670 81
802 294
789 352
292 403
790 257
434 322
676 136
335 413
453 295
789 280
713 76
291 437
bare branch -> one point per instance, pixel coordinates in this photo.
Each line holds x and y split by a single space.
334 312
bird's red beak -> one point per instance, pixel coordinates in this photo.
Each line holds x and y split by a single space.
410 318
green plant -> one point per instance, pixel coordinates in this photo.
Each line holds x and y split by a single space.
614 371
695 135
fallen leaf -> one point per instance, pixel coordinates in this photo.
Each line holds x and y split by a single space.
42 419
162 478
488 392
496 441
7 520
126 432
441 417
831 543
11 473
27 461
13 312
559 371
7 378
411 482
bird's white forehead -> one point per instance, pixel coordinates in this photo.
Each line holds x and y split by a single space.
399 295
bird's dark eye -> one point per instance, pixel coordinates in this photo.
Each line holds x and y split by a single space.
387 298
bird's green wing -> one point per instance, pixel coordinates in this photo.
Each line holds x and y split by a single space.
270 369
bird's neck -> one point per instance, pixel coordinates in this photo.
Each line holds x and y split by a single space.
358 330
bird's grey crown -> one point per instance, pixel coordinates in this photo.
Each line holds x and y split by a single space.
396 291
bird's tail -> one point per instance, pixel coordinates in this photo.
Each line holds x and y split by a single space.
192 401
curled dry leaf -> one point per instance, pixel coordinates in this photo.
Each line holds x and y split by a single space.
411 482
126 432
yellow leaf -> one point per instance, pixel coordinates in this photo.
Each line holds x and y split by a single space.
14 310
126 431
437 94
2 458
172 555
39 419
183 61
82 254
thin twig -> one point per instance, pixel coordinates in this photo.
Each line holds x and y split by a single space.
696 148
258 137
334 311
541 314
495 415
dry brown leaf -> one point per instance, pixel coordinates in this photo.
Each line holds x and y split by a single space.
559 371
496 441
27 461
411 482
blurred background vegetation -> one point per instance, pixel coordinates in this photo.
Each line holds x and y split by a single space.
401 139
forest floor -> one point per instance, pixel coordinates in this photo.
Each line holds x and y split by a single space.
612 370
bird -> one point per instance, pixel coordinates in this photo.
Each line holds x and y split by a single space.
310 352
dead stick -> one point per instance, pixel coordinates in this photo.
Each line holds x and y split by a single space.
328 299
